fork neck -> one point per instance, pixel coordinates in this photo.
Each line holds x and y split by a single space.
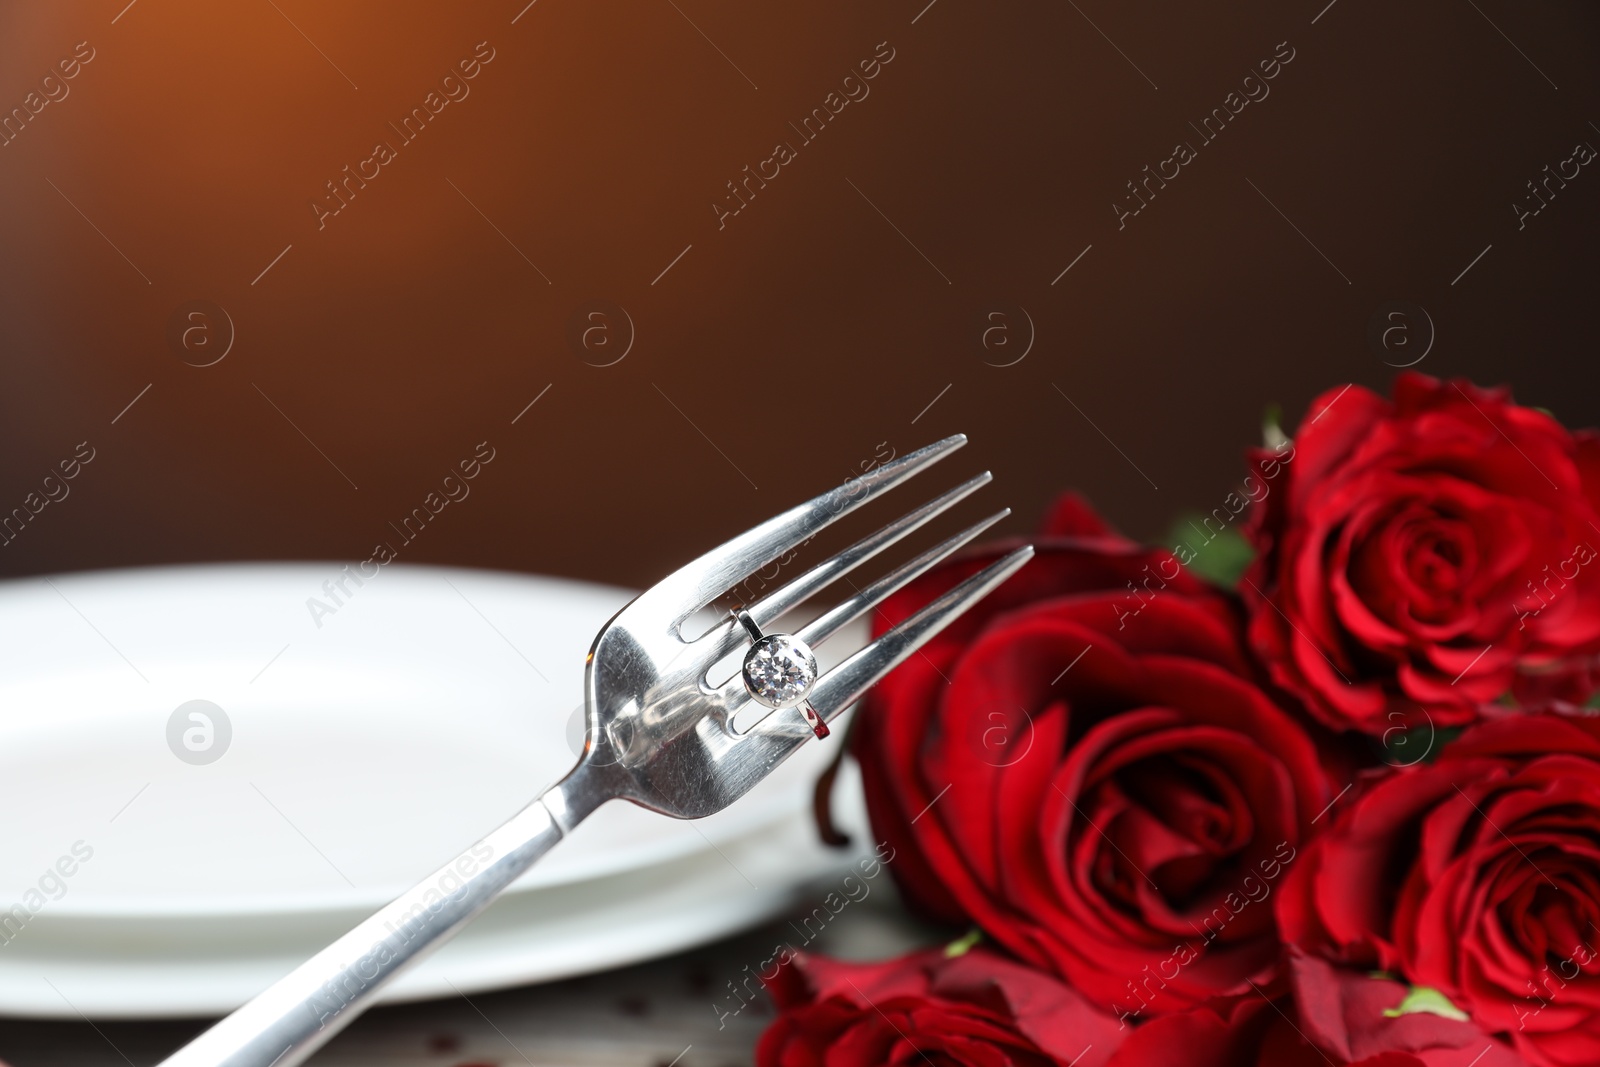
575 797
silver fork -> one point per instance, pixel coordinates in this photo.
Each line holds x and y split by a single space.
659 734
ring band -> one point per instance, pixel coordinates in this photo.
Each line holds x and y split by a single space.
779 671
748 623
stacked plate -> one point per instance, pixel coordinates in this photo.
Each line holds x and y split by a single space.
210 772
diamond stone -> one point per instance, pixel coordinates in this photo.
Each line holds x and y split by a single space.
779 670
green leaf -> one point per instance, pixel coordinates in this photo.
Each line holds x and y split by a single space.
1443 737
1594 701
1219 556
1423 999
1419 743
961 945
1272 434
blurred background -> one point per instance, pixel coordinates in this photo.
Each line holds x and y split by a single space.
277 337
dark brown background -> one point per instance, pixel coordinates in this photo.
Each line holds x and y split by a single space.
804 333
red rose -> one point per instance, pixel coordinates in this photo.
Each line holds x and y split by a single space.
1477 875
1432 551
1335 1018
1083 767
978 1009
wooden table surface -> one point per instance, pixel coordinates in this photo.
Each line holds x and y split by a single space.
665 1013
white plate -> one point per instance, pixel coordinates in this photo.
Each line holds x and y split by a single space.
205 965
427 707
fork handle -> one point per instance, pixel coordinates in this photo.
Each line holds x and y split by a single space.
299 1013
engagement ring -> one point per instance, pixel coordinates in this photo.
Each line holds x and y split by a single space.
779 671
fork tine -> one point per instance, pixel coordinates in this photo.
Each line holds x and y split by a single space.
771 607
829 622
845 684
693 586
